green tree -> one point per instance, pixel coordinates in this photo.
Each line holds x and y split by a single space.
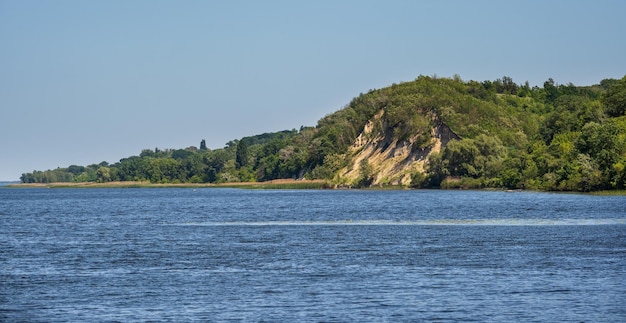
615 98
366 174
436 169
181 154
601 142
551 90
103 174
76 170
459 158
194 168
418 180
584 175
215 162
332 164
241 159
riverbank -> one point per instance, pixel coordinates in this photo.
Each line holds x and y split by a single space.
274 184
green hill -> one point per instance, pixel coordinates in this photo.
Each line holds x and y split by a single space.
430 132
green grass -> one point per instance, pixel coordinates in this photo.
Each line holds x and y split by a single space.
244 185
285 186
610 193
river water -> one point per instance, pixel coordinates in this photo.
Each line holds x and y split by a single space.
310 255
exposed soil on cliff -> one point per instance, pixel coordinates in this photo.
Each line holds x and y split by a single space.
393 161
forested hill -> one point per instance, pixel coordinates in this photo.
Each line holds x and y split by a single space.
430 132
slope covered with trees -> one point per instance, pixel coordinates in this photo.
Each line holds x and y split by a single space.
504 135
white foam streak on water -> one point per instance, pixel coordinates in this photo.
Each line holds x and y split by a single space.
446 222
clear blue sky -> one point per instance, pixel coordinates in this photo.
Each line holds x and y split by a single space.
88 81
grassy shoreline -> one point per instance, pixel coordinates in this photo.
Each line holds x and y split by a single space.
275 184
609 193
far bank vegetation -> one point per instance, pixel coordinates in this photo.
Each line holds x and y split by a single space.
428 133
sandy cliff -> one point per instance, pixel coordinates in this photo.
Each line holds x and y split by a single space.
392 161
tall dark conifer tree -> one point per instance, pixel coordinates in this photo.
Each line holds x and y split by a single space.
242 154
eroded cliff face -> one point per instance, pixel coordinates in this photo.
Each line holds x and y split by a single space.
392 161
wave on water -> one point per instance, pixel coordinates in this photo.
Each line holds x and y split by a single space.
443 222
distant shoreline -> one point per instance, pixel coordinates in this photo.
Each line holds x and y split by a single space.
278 184
273 184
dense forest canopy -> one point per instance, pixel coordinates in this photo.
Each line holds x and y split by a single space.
554 137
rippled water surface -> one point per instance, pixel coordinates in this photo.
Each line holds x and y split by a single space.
278 255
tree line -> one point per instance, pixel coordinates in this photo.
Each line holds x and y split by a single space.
554 137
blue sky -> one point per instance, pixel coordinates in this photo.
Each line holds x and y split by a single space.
88 81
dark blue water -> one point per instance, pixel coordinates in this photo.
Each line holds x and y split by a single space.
274 255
